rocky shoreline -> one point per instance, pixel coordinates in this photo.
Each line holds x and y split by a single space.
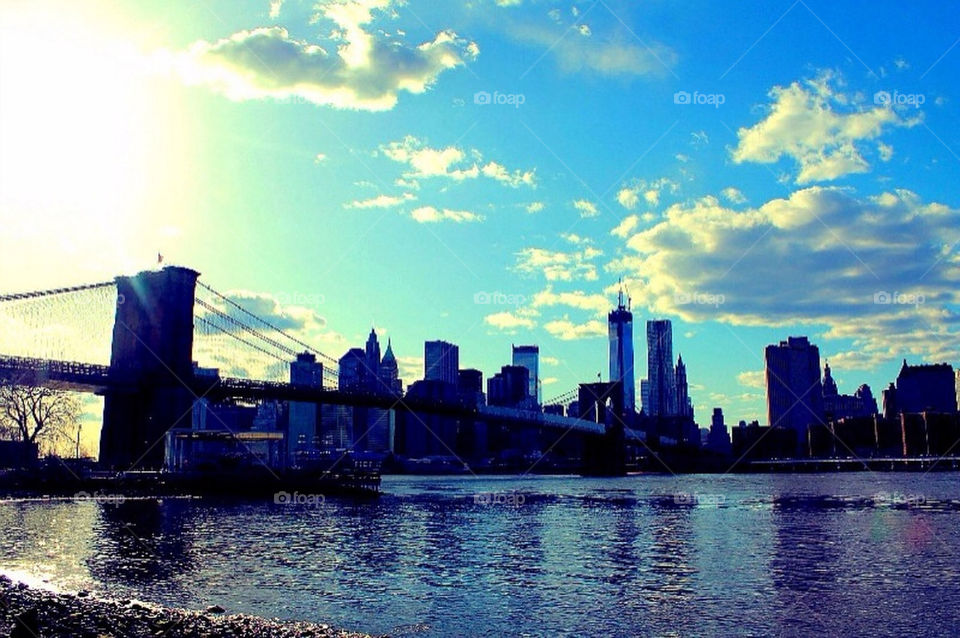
27 612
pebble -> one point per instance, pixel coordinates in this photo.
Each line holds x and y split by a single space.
34 612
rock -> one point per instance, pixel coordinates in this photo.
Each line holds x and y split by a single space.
215 609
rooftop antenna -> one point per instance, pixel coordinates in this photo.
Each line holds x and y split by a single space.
620 293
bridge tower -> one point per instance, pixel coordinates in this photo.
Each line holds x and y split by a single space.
151 357
604 403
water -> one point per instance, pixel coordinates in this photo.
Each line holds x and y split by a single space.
761 555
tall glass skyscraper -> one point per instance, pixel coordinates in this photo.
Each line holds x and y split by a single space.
441 361
529 358
620 328
660 372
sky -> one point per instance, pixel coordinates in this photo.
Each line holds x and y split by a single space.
485 172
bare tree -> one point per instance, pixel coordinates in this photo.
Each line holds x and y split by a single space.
34 413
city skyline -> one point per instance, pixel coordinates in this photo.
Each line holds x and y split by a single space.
523 215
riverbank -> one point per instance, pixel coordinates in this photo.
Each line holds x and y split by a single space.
27 612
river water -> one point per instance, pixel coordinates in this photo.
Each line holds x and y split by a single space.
696 555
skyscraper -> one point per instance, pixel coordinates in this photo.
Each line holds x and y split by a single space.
684 407
372 356
302 425
794 391
389 372
441 360
529 358
660 373
620 330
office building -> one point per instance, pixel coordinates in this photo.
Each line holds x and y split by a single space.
303 417
660 373
620 332
794 391
529 358
441 361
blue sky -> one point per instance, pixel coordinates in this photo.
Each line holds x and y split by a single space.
751 170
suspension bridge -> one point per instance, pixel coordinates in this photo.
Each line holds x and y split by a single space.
142 342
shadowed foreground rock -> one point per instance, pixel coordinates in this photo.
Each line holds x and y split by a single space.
37 613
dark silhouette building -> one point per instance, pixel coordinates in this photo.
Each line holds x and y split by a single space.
718 439
661 383
441 361
511 388
923 388
838 406
794 391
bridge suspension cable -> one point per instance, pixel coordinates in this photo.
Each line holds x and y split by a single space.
271 326
54 291
262 340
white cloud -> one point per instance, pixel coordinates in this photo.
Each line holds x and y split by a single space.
429 214
612 54
364 71
586 208
319 158
509 321
752 379
567 330
381 201
629 195
836 268
501 174
885 151
626 226
549 361
575 239
556 265
452 162
816 126
535 207
733 195
275 6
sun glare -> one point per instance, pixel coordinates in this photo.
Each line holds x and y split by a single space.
79 142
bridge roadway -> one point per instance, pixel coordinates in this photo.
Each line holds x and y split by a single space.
86 377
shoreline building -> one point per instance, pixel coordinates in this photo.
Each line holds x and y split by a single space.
661 381
529 358
303 417
923 388
794 391
441 361
836 406
620 332
684 405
